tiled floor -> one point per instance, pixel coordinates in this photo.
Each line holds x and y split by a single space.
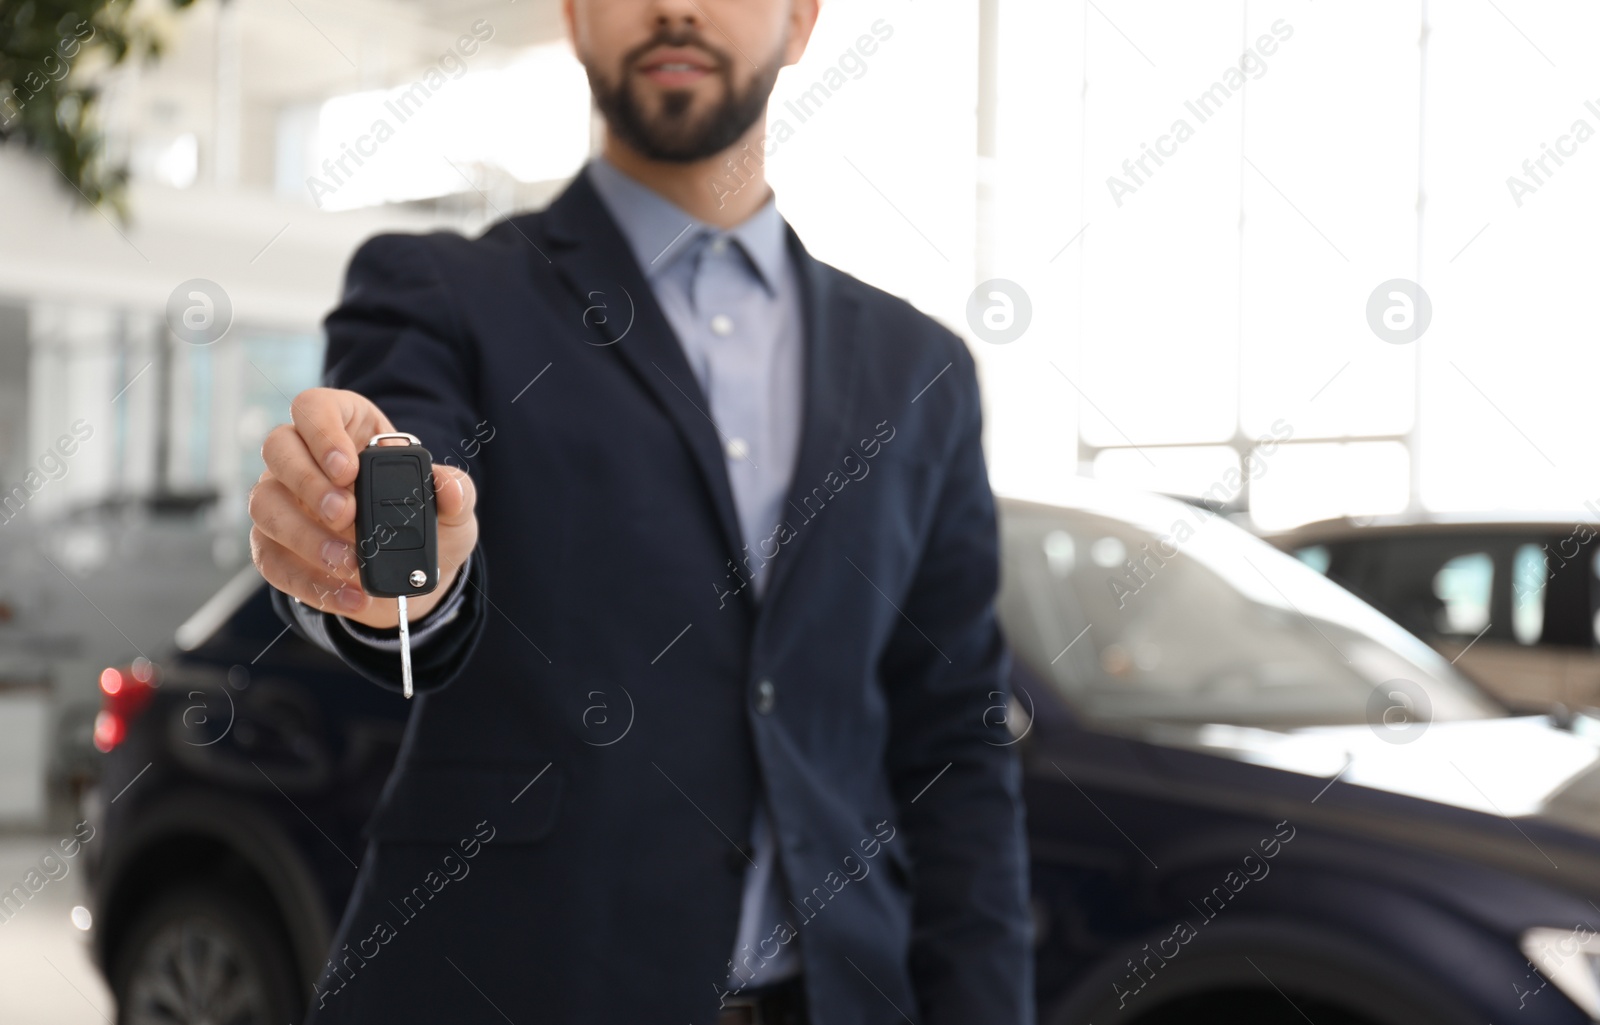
46 977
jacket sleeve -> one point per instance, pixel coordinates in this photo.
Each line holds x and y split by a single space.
441 640
955 777
396 337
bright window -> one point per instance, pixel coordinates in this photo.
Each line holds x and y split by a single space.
1465 585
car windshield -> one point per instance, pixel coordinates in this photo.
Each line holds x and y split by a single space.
1146 608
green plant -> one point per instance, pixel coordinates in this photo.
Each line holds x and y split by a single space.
50 53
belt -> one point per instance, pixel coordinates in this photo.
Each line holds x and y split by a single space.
782 1003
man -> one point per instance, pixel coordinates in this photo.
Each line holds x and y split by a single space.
704 725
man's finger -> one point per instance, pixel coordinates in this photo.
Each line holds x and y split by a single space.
455 496
291 463
335 424
277 514
299 579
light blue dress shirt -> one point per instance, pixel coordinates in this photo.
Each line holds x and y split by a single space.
733 299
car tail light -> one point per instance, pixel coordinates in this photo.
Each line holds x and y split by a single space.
124 694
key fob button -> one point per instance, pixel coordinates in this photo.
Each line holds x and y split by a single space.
401 520
396 474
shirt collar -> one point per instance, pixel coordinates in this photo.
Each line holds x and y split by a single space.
659 231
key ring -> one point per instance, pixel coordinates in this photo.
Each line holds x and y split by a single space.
411 439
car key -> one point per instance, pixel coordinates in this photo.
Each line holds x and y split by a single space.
396 527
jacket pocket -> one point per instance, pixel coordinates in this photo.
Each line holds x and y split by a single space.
513 804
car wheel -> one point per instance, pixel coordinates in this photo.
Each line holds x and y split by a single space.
201 956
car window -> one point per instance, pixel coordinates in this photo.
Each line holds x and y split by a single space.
1464 586
1529 574
1208 625
1552 598
1595 621
1316 556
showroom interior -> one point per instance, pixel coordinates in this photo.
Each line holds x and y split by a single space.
1315 279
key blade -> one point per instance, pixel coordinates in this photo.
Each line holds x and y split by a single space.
405 648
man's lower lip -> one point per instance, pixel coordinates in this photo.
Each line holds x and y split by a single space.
689 77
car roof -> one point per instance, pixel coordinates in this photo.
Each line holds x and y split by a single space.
1439 524
1134 506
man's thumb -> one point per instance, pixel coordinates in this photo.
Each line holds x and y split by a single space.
455 496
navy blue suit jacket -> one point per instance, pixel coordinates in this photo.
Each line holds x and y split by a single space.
563 836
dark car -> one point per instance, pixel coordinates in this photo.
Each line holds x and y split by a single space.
1251 798
1514 602
237 777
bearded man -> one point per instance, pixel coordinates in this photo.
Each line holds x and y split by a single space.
703 729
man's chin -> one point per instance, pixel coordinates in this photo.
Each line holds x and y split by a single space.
694 104
677 138
678 150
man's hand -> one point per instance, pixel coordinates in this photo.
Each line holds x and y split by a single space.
304 510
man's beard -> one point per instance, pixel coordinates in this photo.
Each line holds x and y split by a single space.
676 135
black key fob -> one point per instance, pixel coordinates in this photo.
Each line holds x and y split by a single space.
397 544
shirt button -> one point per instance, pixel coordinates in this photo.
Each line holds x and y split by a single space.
722 324
766 696
719 244
737 448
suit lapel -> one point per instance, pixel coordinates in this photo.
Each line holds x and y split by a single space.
621 317
832 350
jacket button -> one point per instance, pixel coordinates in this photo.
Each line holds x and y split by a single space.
766 696
739 858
